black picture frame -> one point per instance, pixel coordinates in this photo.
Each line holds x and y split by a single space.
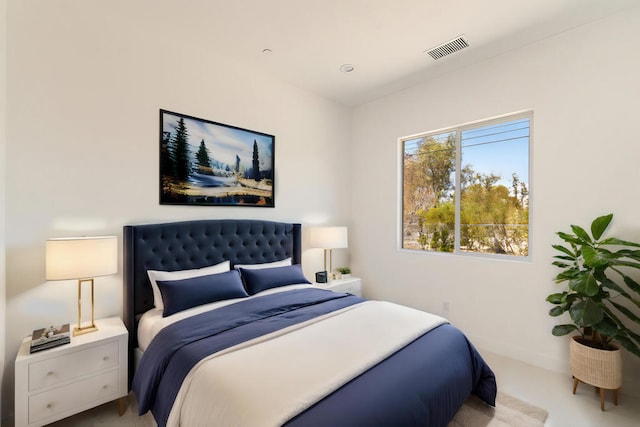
207 163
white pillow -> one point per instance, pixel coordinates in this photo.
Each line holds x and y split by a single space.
155 275
282 263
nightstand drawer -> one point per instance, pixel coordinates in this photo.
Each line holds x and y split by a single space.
99 389
57 370
350 288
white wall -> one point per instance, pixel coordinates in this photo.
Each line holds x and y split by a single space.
3 142
583 87
86 81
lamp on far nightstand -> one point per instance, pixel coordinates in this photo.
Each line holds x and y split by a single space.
82 258
329 238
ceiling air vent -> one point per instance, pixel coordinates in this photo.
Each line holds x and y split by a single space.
448 48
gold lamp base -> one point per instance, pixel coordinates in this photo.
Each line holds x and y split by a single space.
84 330
80 330
331 275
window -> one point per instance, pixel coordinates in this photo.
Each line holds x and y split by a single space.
466 189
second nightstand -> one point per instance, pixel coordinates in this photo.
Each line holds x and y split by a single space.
62 381
352 285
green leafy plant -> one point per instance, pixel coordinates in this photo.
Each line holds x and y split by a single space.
344 270
599 288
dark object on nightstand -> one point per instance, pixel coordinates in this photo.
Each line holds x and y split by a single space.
321 277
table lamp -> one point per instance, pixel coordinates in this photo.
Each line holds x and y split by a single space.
329 238
82 258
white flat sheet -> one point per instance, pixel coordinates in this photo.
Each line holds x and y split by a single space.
152 321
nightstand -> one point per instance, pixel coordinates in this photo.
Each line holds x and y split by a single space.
352 285
62 381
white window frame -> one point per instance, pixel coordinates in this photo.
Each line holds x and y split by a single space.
459 129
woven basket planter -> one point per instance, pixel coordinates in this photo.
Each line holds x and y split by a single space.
600 368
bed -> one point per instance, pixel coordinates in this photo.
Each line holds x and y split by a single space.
274 350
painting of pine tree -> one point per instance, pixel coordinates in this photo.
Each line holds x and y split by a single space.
213 164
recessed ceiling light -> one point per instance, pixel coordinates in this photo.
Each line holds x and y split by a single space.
347 68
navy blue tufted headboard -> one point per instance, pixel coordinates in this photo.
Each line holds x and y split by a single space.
194 244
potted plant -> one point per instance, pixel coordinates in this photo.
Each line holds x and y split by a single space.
601 299
344 271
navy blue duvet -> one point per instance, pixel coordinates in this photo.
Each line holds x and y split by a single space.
424 384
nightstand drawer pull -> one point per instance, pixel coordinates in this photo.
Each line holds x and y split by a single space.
105 358
49 405
49 373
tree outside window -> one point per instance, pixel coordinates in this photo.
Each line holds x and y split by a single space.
467 189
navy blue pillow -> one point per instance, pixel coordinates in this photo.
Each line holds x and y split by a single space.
178 295
258 280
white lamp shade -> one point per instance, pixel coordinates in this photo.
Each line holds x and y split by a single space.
81 257
329 237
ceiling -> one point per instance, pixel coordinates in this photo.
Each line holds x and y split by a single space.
385 40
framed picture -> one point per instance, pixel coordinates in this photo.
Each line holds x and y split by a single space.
213 164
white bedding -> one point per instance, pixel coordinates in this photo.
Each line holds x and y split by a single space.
259 383
152 321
